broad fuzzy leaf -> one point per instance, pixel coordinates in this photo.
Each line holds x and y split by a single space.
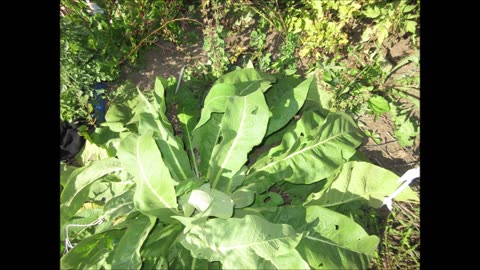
285 99
182 259
291 260
246 75
172 150
155 192
119 205
78 184
127 253
243 127
306 160
92 152
211 201
319 96
117 116
337 241
219 94
357 180
65 172
236 83
243 198
188 111
205 139
159 245
240 243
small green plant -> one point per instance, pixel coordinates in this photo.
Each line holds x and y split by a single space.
321 25
253 183
367 85
287 59
396 17
214 34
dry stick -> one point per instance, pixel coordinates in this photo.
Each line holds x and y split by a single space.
155 31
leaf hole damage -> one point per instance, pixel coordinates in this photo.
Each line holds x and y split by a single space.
220 139
336 227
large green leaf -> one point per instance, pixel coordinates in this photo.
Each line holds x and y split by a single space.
110 186
182 259
91 252
211 201
240 243
308 159
106 138
285 99
245 75
155 191
236 83
219 94
127 253
358 180
65 172
76 190
243 127
160 239
117 116
119 205
291 260
337 241
171 148
188 109
204 140
304 127
91 152
319 96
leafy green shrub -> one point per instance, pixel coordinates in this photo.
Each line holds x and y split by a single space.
92 46
253 183
321 25
395 17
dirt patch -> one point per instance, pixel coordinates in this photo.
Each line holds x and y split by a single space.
164 59
388 153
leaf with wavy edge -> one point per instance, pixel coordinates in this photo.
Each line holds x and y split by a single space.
285 99
337 242
357 180
240 243
171 149
243 127
155 192
78 185
305 160
127 253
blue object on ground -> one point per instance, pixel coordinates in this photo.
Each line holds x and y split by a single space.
99 103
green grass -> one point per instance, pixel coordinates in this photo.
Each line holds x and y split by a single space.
400 241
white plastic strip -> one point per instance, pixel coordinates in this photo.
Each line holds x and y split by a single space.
406 178
68 244
180 76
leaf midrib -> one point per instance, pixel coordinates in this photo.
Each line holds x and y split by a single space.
227 157
299 152
165 137
145 179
